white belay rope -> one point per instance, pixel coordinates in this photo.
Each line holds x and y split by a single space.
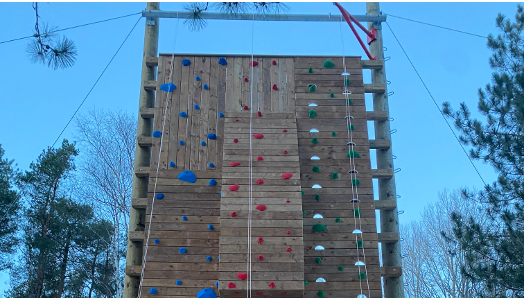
158 165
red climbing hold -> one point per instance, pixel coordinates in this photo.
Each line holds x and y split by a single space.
284 293
284 130
259 293
287 176
246 80
260 158
260 240
274 62
261 207
234 187
236 293
259 114
242 276
285 151
253 63
288 201
260 258
235 140
233 214
231 285
258 136
260 181
246 108
234 163
289 249
271 284
275 87
288 232
236 120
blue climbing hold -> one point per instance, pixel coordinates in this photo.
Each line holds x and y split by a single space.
184 218
182 250
157 134
212 182
187 176
172 164
159 196
169 87
203 143
220 193
154 291
218 257
183 114
181 143
222 61
197 107
211 136
197 78
186 62
206 86
211 165
221 115
178 282
209 259
157 241
216 284
210 227
207 293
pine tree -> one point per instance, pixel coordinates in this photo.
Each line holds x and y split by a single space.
494 251
9 208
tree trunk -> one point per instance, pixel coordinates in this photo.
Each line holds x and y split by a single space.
63 266
93 267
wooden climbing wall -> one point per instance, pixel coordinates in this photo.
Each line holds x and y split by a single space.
197 217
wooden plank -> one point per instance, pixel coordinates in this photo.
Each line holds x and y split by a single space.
152 61
183 122
372 64
269 276
221 104
290 72
326 77
295 256
327 71
230 87
385 204
204 116
174 275
245 86
174 111
151 85
306 62
355 81
282 85
237 84
213 113
274 81
189 220
260 223
265 99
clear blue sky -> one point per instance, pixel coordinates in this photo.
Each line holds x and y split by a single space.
36 102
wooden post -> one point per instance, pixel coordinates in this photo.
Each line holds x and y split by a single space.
142 154
391 253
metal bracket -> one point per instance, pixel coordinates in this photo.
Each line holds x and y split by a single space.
150 21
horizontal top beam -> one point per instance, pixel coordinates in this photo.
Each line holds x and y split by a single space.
261 17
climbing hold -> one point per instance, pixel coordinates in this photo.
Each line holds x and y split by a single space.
312 113
259 293
260 158
221 115
328 64
334 175
260 240
319 247
355 182
259 114
260 181
220 192
234 163
236 120
310 70
183 114
234 187
172 164
197 107
182 250
206 86
197 78
316 169
258 136
332 95
236 293
152 291
212 182
319 227
260 258
233 214
242 276
203 143
333 134
245 109
359 243
356 212
169 87
209 258
157 134
287 201
284 130
179 282
317 197
261 207
362 276
321 294
318 260
210 227
275 87
351 127
352 154
305 282
312 88
274 62
346 82
341 268
288 232
222 61
348 101
211 136
187 176
157 241
284 293
246 80
235 141
289 249
272 285
159 196
186 62
314 140
301 192
285 151
216 284
286 176
181 143
337 219
231 285
253 63
184 218
207 293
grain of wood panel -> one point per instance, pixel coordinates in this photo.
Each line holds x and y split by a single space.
213 113
183 122
290 73
185 243
260 223
336 71
184 235
245 86
274 80
187 275
296 256
268 241
265 86
189 219
262 267
264 215
159 114
339 253
262 232
317 62
355 81
275 250
182 227
187 283
282 85
284 285
204 115
329 101
265 201
270 276
221 104
230 86
174 111
170 181
357 111
237 84
344 293
186 189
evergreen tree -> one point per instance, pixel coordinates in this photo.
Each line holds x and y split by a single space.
494 251
9 207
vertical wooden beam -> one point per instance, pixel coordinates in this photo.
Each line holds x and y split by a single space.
391 254
142 154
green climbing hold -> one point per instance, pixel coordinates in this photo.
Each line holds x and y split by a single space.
332 95
328 64
310 70
359 243
334 175
348 101
312 88
341 268
303 213
346 82
319 227
362 276
334 134
317 197
314 140
312 113
351 127
318 260
337 220
301 192
353 154
321 294
316 169
305 282
356 212
355 182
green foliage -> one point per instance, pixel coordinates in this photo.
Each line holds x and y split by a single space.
494 250
9 210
